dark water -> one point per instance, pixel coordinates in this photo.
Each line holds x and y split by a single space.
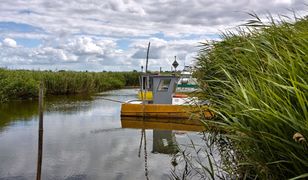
84 139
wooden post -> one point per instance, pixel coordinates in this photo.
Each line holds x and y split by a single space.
40 134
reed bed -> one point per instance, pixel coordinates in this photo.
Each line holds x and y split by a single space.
23 84
256 79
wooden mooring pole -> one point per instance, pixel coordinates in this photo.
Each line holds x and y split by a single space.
40 133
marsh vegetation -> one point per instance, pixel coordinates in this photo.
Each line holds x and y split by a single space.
24 84
256 79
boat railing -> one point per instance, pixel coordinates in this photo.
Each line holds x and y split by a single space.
134 101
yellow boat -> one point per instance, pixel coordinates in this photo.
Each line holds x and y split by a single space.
165 103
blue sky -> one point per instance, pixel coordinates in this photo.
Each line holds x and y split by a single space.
113 34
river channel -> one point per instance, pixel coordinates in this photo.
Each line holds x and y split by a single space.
85 139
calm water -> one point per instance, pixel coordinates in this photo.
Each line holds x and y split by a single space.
84 139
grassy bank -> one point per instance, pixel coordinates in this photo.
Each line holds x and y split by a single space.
21 84
256 79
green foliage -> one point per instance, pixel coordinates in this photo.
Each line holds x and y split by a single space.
22 84
256 80
132 78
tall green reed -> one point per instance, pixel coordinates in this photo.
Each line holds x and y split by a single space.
256 79
22 84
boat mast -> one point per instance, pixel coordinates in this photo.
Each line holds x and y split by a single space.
147 60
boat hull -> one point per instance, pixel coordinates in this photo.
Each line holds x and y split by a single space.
165 111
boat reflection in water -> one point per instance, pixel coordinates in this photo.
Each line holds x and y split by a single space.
164 142
162 124
164 130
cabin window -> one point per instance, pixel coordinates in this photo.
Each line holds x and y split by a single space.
150 84
144 83
164 84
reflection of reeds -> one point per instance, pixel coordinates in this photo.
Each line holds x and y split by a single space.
21 110
200 160
256 80
24 84
26 110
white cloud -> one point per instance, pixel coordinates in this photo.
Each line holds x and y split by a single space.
85 53
84 34
284 1
162 52
84 45
8 42
138 18
50 55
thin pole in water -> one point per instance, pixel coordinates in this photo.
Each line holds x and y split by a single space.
140 145
40 133
143 98
146 173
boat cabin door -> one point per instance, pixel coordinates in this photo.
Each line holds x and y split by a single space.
163 89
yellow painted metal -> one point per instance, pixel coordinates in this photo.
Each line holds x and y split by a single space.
165 111
162 124
148 95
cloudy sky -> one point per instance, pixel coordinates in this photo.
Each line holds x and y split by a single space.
98 35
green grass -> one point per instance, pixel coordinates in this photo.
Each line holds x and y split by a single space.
23 84
256 79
